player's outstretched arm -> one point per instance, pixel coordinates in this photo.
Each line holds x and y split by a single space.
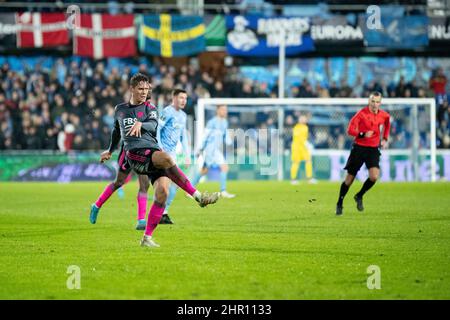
113 141
115 137
105 156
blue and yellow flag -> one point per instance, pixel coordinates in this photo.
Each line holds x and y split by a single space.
172 35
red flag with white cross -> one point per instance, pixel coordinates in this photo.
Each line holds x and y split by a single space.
105 35
37 30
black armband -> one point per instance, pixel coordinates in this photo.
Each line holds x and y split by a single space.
361 134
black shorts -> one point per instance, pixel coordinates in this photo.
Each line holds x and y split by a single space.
140 161
360 155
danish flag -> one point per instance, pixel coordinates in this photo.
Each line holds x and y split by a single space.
36 30
105 35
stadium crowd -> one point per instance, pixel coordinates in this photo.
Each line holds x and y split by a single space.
71 105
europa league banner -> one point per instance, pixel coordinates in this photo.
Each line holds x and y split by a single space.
336 31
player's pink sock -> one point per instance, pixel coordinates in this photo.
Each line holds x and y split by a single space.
109 190
128 179
177 176
142 205
154 216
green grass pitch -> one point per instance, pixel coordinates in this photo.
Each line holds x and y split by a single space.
270 242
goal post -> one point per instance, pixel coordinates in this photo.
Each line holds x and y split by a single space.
414 119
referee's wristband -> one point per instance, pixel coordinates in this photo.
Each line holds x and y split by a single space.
361 134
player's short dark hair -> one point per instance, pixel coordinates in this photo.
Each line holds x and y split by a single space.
137 78
375 94
177 91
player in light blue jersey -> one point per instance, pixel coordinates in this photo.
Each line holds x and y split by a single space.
172 130
212 149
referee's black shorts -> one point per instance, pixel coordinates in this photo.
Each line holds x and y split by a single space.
360 155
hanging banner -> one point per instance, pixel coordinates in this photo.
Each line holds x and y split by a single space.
337 30
39 30
8 29
171 35
260 36
439 32
407 32
216 31
104 35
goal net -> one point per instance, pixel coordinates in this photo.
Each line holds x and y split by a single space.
260 131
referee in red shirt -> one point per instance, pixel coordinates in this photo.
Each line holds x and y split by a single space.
365 127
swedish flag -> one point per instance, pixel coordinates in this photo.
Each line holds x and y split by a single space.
172 35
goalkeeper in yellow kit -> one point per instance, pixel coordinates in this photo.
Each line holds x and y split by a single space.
300 151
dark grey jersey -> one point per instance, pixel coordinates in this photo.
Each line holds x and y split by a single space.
125 115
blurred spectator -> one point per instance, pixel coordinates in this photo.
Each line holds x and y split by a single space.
443 135
66 137
305 90
217 91
438 82
346 91
334 90
401 87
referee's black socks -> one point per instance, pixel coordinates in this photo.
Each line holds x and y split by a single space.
366 186
342 192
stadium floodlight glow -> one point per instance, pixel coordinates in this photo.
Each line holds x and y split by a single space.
416 116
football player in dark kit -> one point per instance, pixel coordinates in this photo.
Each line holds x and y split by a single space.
136 122
365 127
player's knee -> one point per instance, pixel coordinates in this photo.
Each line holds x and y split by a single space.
349 180
224 168
143 186
162 160
161 195
373 175
167 160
